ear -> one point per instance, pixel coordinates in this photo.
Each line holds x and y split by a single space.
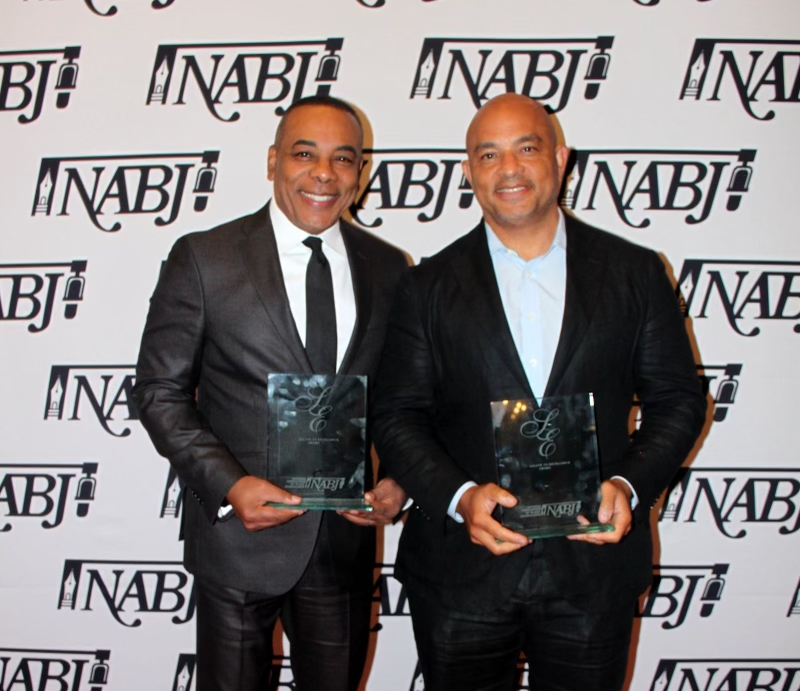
272 156
562 156
467 171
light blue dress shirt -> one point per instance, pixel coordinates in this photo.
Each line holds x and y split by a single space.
533 294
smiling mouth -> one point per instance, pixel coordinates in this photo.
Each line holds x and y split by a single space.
319 198
511 190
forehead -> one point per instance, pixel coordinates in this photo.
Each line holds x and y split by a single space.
511 120
323 125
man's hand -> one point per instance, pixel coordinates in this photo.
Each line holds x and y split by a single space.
386 501
248 497
476 506
615 508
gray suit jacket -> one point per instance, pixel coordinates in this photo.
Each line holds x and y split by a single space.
219 323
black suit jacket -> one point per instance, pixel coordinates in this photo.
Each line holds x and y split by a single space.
449 353
219 323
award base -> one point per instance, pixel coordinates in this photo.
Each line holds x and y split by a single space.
324 504
562 530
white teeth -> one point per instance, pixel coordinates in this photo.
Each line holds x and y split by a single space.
510 189
319 197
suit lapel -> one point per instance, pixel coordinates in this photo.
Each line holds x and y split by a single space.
476 276
585 274
260 254
360 272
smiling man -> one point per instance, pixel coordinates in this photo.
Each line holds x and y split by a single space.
290 288
531 303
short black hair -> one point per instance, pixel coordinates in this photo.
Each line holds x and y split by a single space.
317 100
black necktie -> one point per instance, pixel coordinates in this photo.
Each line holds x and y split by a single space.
320 310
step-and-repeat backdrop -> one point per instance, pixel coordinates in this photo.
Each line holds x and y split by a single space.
127 123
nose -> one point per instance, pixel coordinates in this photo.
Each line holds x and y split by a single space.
323 171
509 163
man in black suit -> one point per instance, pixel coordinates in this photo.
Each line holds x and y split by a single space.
530 303
232 305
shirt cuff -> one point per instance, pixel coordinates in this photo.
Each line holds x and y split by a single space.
224 511
634 496
451 510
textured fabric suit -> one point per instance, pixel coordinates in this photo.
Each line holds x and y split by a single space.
219 323
449 352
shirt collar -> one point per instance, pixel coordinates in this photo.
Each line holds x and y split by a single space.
289 237
559 240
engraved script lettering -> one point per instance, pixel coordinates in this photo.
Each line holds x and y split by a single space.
542 427
315 403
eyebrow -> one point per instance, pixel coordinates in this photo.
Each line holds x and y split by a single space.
520 140
310 142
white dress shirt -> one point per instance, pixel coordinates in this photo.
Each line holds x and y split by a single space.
294 256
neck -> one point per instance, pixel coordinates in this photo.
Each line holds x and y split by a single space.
530 240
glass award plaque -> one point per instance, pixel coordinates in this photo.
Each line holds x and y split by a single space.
547 457
317 439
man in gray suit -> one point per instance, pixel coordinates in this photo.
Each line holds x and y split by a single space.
231 306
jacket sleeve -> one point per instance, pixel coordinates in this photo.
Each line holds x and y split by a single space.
666 383
404 422
167 374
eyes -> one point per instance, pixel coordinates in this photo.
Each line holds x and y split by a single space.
525 150
306 155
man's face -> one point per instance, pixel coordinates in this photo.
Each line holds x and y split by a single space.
514 165
315 165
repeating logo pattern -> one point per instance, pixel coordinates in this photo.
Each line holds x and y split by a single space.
43 491
51 668
746 293
736 498
26 77
29 292
648 182
726 674
640 181
108 390
416 180
129 590
124 185
679 591
225 74
758 71
544 69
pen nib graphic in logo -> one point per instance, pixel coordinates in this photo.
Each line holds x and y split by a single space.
184 672
424 82
794 609
695 77
158 88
